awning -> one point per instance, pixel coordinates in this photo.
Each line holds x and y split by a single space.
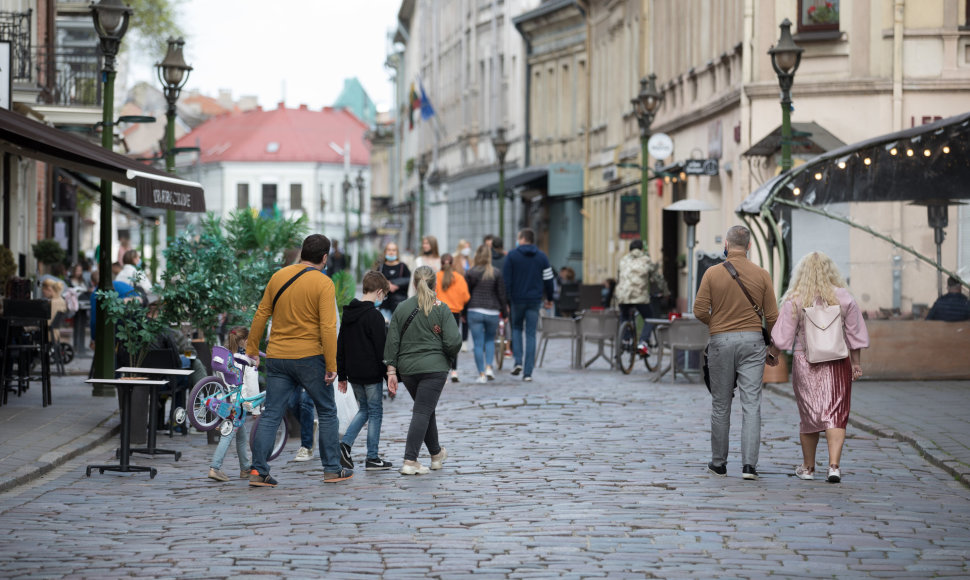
807 139
27 138
531 177
923 164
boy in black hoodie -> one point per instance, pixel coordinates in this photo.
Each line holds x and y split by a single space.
360 355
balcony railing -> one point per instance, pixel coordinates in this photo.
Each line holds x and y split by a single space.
69 76
15 29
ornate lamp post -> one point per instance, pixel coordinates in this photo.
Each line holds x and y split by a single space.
110 22
359 182
645 106
785 58
173 74
501 146
422 171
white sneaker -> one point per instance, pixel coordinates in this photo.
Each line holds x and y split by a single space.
454 376
464 346
835 474
437 460
414 468
303 454
481 379
489 374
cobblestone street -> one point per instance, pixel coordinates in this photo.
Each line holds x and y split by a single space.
578 474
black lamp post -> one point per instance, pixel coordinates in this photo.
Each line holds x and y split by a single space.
359 182
422 171
173 74
645 107
785 58
501 146
110 22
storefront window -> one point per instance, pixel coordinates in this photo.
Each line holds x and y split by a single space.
818 15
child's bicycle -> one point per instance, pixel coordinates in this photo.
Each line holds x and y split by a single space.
217 401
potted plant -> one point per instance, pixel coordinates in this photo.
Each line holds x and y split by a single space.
49 252
135 327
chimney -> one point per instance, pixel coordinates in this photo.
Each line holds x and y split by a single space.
281 105
303 107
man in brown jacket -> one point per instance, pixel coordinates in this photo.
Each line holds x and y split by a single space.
736 351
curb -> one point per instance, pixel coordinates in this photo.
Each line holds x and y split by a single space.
105 431
927 449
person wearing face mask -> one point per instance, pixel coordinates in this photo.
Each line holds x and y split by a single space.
398 276
360 354
429 257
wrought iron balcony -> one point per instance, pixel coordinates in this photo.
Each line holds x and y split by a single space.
15 28
69 76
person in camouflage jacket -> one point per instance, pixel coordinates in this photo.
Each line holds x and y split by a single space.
639 279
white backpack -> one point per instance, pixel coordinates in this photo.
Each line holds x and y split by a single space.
824 334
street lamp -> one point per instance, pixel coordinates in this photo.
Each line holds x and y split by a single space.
785 58
347 187
501 146
422 171
111 22
173 74
645 106
360 218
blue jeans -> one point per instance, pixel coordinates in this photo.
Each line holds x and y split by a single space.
645 310
483 328
283 376
371 412
525 316
242 449
301 405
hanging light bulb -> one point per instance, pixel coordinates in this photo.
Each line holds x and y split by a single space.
841 164
926 152
946 149
818 177
796 192
909 153
893 151
867 161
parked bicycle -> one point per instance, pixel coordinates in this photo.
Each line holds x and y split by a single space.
503 342
218 401
627 345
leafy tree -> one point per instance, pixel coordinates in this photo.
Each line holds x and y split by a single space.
49 252
153 22
344 285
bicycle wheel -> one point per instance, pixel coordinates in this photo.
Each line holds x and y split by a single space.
199 414
67 353
652 360
282 434
626 346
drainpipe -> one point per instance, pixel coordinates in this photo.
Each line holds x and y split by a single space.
898 9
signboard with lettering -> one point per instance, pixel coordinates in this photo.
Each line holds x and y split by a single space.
629 217
701 167
167 195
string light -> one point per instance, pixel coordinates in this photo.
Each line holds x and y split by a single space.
909 153
796 192
893 151
818 177
946 149
926 152
841 164
867 161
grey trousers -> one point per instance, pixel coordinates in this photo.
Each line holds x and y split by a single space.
736 358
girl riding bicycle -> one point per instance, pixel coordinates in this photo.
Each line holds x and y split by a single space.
236 343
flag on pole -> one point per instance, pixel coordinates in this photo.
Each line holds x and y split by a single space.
427 111
414 106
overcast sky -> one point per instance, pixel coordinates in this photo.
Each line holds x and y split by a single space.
297 51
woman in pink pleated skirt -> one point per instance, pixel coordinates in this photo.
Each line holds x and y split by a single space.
823 390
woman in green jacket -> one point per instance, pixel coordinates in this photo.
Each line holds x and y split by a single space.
422 340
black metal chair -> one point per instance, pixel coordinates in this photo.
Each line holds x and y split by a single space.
21 345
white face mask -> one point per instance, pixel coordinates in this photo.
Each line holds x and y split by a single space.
466 252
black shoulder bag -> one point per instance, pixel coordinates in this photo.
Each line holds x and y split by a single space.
289 282
757 309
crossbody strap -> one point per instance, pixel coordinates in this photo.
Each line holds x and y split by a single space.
734 274
407 323
289 282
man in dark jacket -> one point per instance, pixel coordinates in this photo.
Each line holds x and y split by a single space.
360 360
952 306
528 278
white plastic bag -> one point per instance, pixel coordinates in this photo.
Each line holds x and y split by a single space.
346 407
250 387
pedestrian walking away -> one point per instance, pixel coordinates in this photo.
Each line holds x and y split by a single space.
302 354
360 361
421 341
486 304
736 351
823 390
528 278
452 289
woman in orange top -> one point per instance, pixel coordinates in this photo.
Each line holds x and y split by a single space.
453 291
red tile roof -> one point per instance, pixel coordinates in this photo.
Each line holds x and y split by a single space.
301 135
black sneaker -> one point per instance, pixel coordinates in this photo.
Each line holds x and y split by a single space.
345 458
257 480
721 471
376 464
517 370
749 472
